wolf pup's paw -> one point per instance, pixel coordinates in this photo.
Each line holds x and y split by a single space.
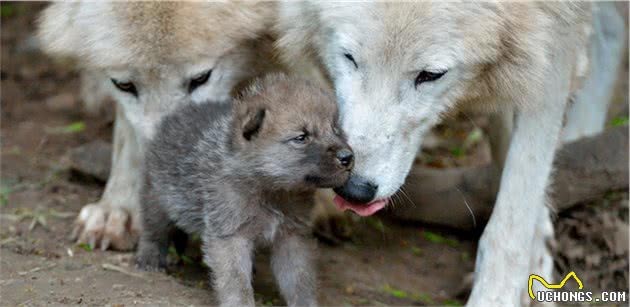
102 225
149 260
149 264
332 228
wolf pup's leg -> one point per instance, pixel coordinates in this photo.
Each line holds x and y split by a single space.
154 241
113 220
230 260
292 264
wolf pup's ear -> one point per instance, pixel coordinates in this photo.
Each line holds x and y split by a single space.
253 124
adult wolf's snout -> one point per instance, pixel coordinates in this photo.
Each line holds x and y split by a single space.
357 190
358 195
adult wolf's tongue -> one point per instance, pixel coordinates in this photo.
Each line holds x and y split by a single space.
360 209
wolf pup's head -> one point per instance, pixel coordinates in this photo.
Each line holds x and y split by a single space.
285 130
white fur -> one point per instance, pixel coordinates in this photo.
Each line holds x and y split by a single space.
518 58
587 115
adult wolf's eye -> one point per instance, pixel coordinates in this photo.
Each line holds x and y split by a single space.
199 81
427 76
128 87
351 59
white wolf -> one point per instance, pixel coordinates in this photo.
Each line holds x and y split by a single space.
150 57
397 67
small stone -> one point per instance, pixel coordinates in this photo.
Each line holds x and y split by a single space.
118 287
349 290
72 266
93 159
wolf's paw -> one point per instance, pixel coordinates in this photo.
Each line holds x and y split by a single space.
148 263
333 228
329 224
149 258
102 225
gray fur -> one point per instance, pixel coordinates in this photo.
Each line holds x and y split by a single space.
233 174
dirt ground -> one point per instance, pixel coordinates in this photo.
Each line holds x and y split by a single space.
385 262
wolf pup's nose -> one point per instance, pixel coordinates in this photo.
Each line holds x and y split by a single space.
345 157
357 190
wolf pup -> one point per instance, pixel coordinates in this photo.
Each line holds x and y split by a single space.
244 174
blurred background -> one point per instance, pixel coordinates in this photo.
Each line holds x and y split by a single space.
55 159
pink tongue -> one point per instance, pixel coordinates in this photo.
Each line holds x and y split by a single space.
360 209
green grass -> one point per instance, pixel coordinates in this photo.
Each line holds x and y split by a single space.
473 137
71 128
186 259
85 247
424 298
395 292
416 251
5 190
361 301
437 238
376 223
619 121
452 303
457 151
7 10
173 253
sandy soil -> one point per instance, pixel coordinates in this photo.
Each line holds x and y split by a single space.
384 263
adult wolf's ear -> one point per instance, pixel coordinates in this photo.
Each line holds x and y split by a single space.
56 32
253 123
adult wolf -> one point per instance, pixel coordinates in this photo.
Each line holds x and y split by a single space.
397 67
150 57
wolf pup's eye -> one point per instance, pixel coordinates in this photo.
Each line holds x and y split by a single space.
198 81
351 59
427 76
300 139
128 87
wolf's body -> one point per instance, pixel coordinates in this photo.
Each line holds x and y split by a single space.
397 67
238 176
150 57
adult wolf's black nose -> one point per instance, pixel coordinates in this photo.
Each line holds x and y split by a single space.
357 190
345 157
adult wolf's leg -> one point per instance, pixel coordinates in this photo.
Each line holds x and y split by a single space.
506 248
541 262
587 115
113 221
